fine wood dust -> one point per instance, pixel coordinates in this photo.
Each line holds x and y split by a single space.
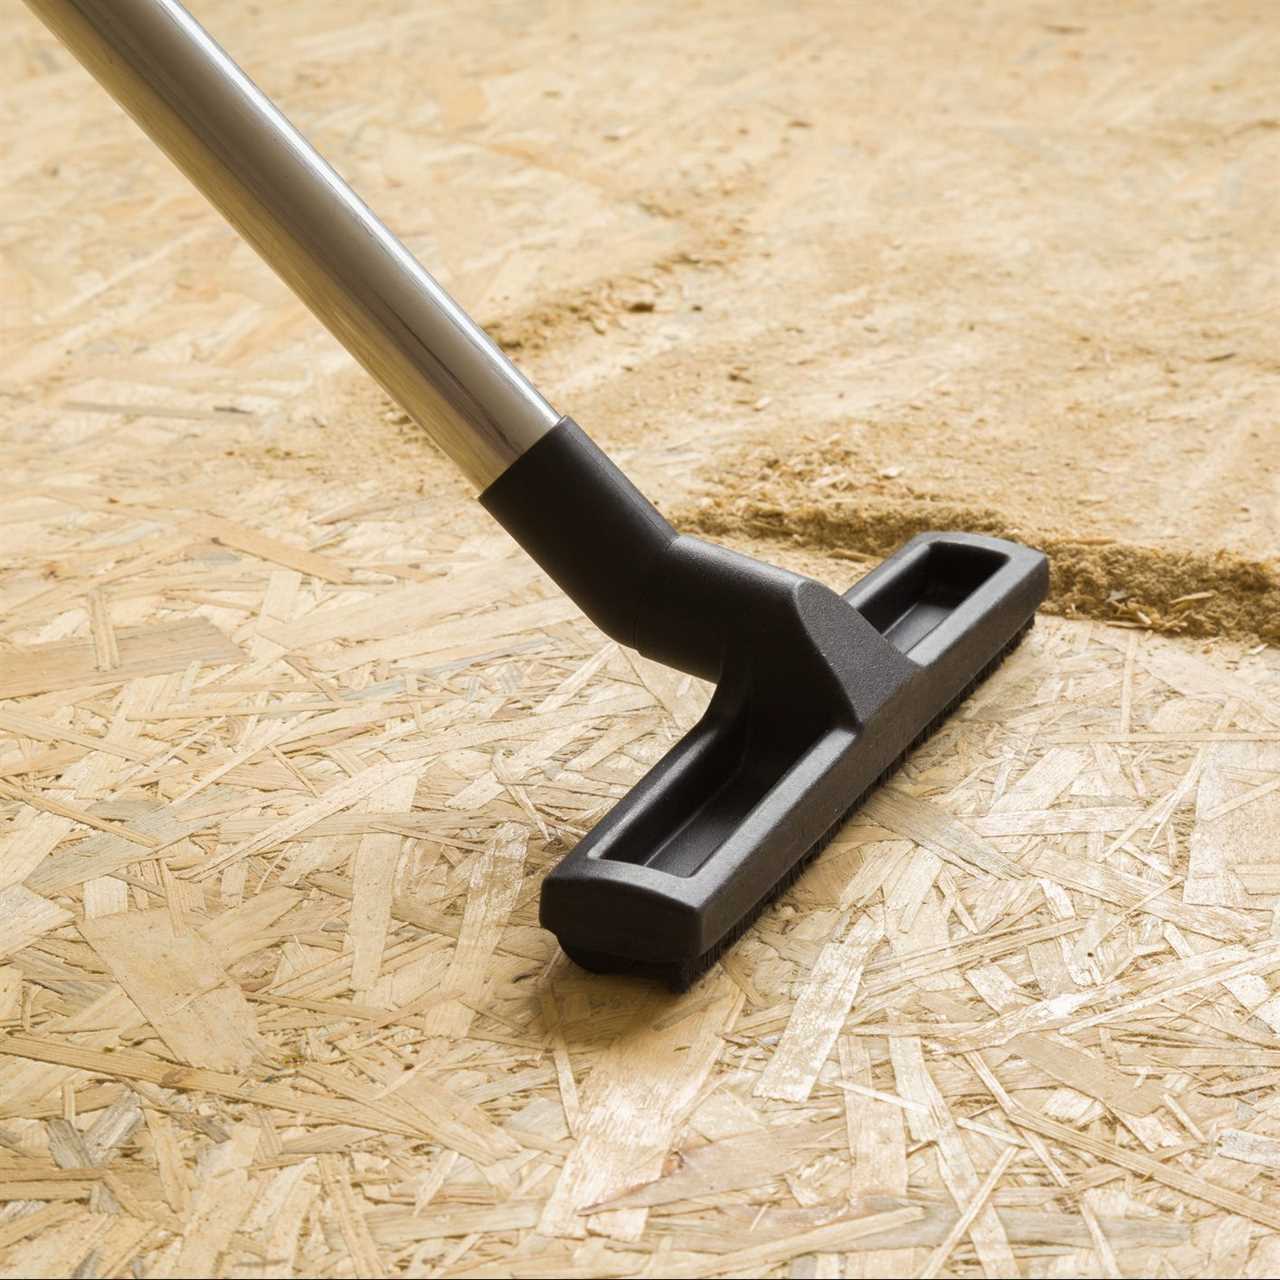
1171 590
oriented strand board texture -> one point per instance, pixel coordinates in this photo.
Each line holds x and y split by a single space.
289 735
270 928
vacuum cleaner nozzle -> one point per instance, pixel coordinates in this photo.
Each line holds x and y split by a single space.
818 697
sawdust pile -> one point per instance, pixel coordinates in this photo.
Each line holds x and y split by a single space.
821 498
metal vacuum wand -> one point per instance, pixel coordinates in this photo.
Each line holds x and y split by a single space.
272 186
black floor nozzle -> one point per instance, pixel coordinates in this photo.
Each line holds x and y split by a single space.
817 696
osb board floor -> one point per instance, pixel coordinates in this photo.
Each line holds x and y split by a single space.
278 790
289 736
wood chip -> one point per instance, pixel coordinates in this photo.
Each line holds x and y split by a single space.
937 831
819 1014
728 1165
253 542
833 1237
180 987
26 916
641 1087
137 1066
373 883
1126 1158
1251 1148
355 1231
495 885
156 649
955 1164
